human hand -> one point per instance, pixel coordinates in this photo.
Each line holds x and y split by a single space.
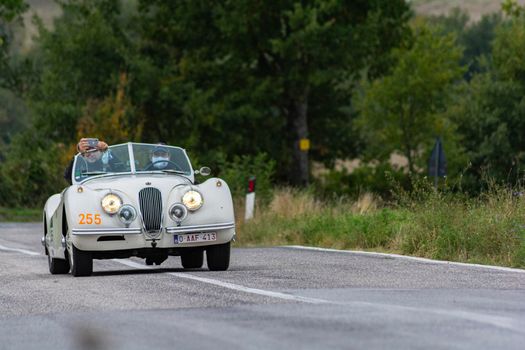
102 146
83 145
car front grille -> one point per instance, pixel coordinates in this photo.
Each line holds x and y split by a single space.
150 200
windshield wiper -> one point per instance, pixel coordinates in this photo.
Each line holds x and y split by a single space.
171 171
89 173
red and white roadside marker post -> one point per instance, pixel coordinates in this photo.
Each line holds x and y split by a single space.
250 199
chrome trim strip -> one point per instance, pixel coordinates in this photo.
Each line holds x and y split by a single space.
106 231
200 228
131 158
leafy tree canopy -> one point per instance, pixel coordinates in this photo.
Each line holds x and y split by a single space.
282 67
403 111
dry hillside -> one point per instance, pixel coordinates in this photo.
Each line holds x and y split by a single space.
475 8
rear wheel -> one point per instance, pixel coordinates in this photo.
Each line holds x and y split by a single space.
192 259
82 262
57 266
218 257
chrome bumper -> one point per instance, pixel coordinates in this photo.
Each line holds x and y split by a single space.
106 231
137 231
200 228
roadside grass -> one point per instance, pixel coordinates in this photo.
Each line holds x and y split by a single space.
20 215
444 226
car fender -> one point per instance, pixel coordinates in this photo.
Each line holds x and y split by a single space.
53 229
217 202
84 200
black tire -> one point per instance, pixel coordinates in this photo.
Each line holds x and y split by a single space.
156 259
192 259
57 266
218 257
82 263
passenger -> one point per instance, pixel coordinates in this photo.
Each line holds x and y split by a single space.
93 156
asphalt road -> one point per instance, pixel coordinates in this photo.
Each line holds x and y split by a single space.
279 298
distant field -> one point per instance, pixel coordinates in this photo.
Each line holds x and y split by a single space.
48 9
475 8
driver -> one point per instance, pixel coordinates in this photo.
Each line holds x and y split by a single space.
160 158
92 156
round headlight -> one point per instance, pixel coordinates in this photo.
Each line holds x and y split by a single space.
192 200
178 212
111 203
127 214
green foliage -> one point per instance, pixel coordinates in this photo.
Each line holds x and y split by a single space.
237 172
403 111
10 13
428 223
250 65
80 60
20 214
10 9
490 114
512 8
14 118
31 172
475 38
377 179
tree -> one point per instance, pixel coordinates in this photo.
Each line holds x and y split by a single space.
403 111
475 38
491 114
80 62
254 70
13 111
10 11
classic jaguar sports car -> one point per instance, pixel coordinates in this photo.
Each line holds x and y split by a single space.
138 200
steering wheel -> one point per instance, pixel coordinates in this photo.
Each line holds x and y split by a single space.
177 167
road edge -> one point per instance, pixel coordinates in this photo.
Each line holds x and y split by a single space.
406 257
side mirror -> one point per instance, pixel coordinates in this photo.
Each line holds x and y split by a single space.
204 171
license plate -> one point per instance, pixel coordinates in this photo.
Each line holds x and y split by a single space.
195 237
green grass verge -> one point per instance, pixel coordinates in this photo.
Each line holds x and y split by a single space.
20 215
490 230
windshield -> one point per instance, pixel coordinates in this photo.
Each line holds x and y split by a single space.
116 159
160 158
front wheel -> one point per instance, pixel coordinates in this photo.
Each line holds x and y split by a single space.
57 266
82 262
218 257
192 259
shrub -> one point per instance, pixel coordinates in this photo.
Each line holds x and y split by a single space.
237 171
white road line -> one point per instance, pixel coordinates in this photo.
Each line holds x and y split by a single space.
398 256
227 285
240 288
232 286
23 251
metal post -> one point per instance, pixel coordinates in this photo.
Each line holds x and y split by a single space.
250 199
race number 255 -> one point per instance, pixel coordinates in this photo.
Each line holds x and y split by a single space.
89 219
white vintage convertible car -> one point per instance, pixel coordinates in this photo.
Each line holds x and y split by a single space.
127 203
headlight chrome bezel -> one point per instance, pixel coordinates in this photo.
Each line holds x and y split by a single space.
111 203
176 218
133 211
192 200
